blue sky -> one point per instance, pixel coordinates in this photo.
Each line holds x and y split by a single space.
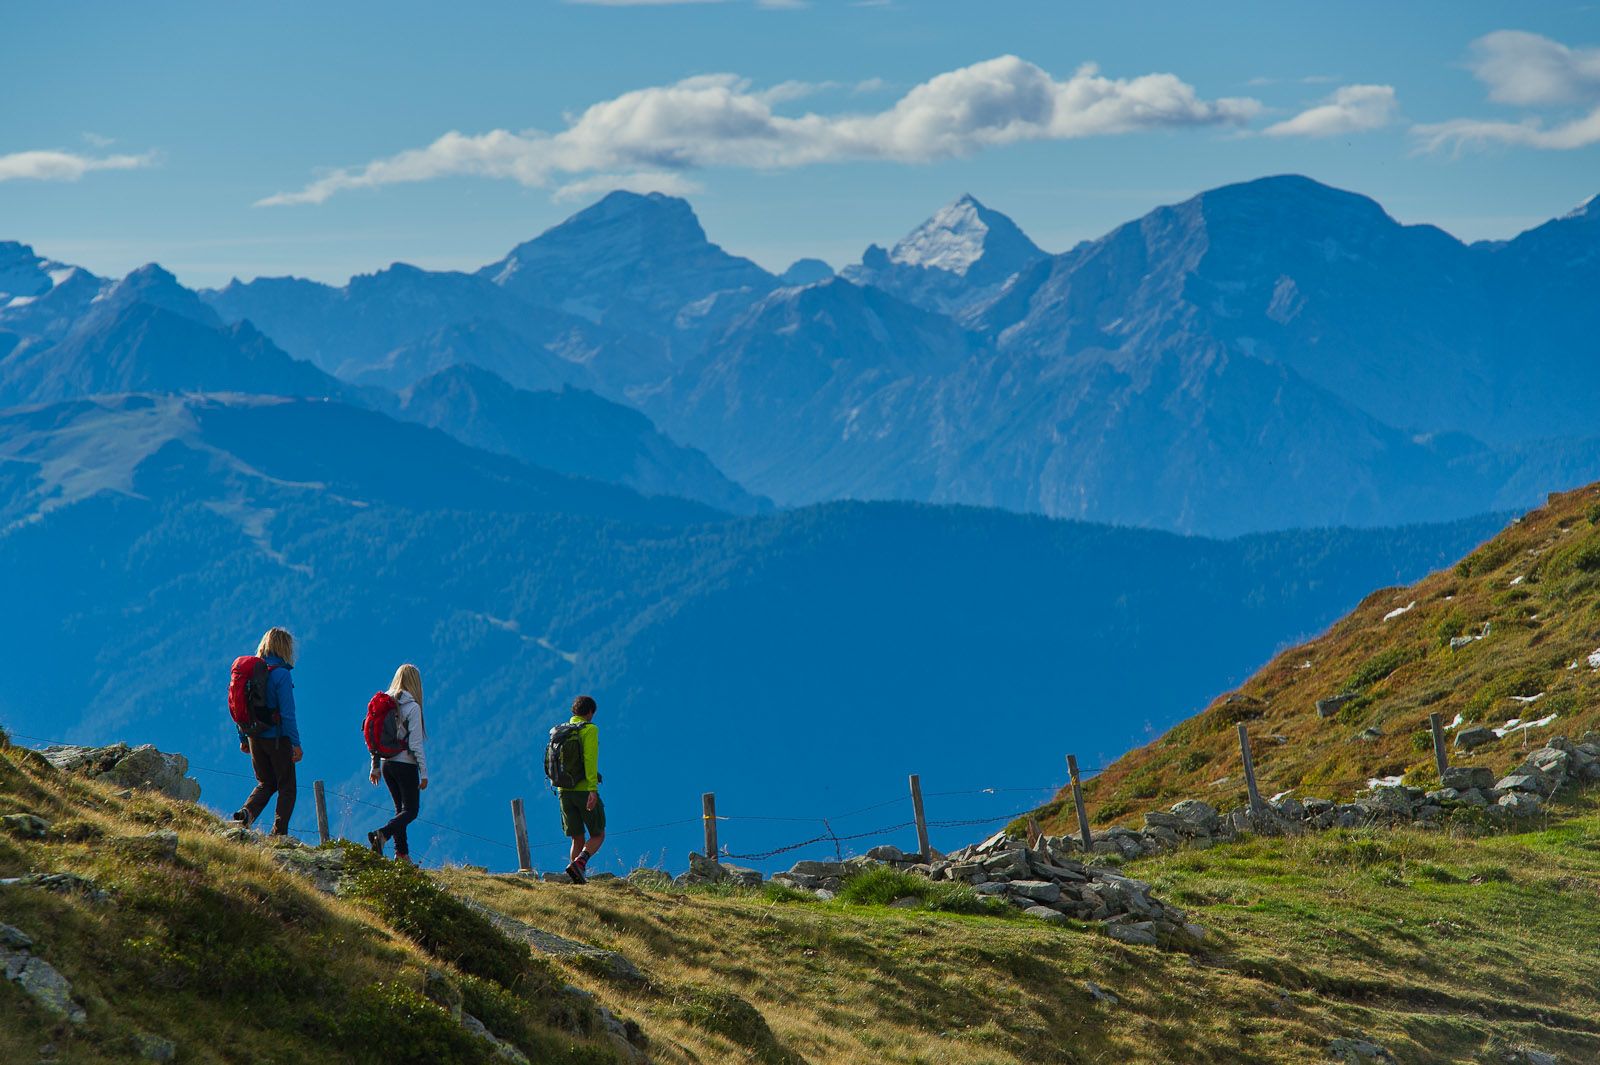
134 133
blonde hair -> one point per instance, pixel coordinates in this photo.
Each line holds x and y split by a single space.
408 678
276 641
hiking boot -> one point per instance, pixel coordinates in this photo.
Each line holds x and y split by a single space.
404 859
375 841
241 817
575 873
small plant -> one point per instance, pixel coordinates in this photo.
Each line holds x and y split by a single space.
726 1014
410 902
391 1022
775 892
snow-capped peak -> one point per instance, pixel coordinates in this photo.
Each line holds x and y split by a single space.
1589 208
952 240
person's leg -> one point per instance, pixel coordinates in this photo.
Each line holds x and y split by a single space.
405 785
594 822
266 777
283 766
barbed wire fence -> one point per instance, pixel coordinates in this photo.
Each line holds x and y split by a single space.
711 821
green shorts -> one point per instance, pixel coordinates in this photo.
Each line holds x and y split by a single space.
577 819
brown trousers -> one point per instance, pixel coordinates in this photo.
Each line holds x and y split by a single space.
273 762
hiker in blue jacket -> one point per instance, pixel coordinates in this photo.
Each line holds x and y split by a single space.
275 750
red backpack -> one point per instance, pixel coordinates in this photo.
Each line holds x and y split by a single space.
383 729
247 696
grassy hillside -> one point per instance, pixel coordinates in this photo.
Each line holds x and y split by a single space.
1444 950
1534 589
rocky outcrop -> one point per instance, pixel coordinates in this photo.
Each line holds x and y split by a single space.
37 978
129 767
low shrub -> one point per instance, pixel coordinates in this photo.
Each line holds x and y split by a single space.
411 903
394 1024
726 1014
881 886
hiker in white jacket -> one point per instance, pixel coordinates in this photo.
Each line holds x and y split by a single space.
406 773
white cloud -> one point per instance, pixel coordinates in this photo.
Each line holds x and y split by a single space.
718 120
1351 109
1526 70
64 166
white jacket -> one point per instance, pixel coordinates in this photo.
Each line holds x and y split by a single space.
416 736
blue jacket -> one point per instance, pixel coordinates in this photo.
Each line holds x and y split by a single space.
280 697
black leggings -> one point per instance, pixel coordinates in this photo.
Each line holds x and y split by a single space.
404 786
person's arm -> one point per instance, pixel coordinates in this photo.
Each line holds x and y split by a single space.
376 769
416 737
591 758
287 722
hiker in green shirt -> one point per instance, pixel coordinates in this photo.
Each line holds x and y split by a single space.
582 812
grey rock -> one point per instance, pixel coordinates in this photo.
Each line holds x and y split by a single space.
25 826
1100 994
1469 739
1197 814
558 946
503 1050
155 1048
438 988
1036 890
137 767
1521 803
1141 934
819 869
1332 705
909 902
40 981
1527 782
14 938
159 846
324 868
742 876
1368 734
1159 819
824 894
887 853
1524 1056
1348 1051
1045 914
1465 777
60 883
993 887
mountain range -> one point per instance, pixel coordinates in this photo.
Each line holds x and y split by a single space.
1270 354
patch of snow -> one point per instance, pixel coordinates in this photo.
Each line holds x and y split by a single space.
1281 795
952 240
1304 665
59 276
1385 782
1517 580
21 301
1594 660
1391 615
1453 724
1516 724
1526 699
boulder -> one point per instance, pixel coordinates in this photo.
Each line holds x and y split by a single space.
1465 777
1351 1051
887 853
1469 739
40 981
25 826
907 902
1196 815
1141 934
1333 704
60 883
14 938
1045 914
819 869
159 846
136 767
502 1050
1521 803
1532 783
1035 890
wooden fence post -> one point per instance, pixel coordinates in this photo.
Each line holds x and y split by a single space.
1077 798
322 809
1249 768
922 822
520 824
1440 758
1035 833
708 814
